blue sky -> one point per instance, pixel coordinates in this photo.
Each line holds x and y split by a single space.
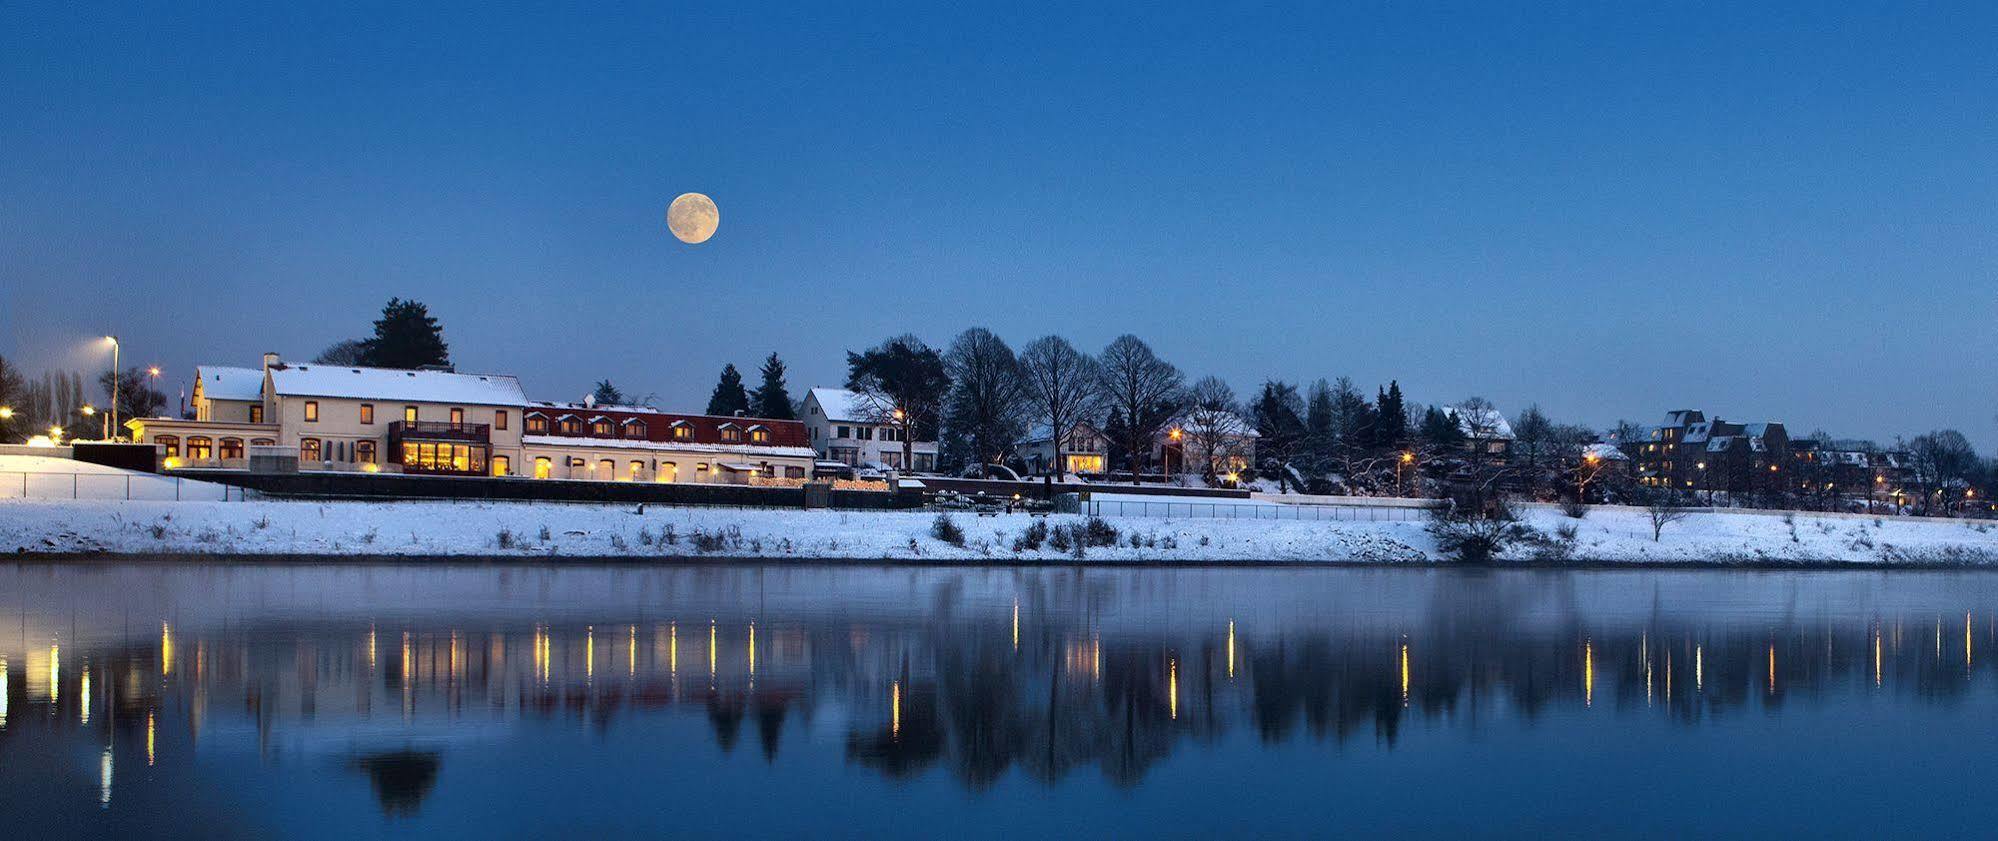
1785 212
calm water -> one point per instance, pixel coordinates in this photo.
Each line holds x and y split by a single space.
347 701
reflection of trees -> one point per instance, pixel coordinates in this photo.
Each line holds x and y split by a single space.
401 779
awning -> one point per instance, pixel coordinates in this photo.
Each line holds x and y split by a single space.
739 466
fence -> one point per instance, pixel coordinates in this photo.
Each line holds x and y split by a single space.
1223 510
114 486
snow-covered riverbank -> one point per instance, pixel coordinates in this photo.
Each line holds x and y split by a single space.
85 527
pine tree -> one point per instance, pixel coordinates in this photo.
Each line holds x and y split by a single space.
1390 418
729 397
608 394
1318 423
772 399
406 337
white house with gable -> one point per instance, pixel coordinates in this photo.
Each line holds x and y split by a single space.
850 428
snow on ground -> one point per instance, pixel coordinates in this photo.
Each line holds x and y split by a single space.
47 477
555 530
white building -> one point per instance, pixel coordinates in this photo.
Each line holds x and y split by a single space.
850 428
1083 448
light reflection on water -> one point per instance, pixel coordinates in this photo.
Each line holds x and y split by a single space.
895 698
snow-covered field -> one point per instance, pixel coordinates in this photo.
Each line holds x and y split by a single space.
502 529
45 477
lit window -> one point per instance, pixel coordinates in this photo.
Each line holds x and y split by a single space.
169 445
499 419
200 448
729 434
409 414
682 431
367 413
637 468
535 423
600 426
364 452
232 448
256 414
634 429
502 465
457 417
759 435
311 411
308 449
542 467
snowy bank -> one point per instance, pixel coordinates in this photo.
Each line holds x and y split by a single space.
524 530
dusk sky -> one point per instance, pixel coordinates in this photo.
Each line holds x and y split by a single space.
1772 214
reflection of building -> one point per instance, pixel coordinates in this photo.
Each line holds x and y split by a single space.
847 427
1083 449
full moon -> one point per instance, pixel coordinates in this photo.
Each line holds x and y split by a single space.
693 218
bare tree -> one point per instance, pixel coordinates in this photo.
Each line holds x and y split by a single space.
345 353
1144 389
1664 509
1213 424
1064 385
1943 463
987 405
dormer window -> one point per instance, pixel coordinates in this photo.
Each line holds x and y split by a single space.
570 425
683 431
634 428
537 422
600 425
730 433
759 434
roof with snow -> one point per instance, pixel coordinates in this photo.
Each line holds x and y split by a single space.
1490 419
1606 452
221 382
839 404
398 384
1041 432
1226 423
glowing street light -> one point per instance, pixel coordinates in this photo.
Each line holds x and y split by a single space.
1406 458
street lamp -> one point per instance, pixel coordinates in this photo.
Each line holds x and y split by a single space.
113 340
1406 458
1173 435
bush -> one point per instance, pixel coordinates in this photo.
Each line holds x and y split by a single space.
545 536
505 538
1098 532
1031 539
1574 508
1060 540
1476 534
947 530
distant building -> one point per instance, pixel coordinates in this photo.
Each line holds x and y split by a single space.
849 428
588 440
1487 435
1202 438
1083 448
1691 452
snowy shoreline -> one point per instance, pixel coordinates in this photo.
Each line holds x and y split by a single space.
288 531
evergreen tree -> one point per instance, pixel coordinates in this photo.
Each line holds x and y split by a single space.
1390 418
13 396
1318 424
729 396
1280 431
902 375
1439 430
1352 421
406 336
772 399
607 394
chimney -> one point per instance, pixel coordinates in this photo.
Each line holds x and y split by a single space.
271 360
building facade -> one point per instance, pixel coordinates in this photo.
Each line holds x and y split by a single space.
1084 449
641 444
848 428
1691 452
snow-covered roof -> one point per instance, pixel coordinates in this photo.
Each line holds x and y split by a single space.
1226 423
666 446
1041 432
1490 419
839 404
220 382
398 384
1606 452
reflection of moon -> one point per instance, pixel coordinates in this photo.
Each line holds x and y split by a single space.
693 218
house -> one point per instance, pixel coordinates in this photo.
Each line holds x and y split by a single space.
1084 449
336 417
1690 451
1487 435
605 442
1206 441
852 429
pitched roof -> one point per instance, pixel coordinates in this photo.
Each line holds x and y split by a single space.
221 382
398 384
1491 419
851 406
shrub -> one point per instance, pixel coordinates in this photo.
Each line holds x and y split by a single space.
504 539
668 536
1476 534
947 530
262 522
369 536
545 536
617 542
1574 508
645 535
1098 532
1059 540
1031 539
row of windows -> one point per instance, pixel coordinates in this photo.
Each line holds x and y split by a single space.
409 415
865 433
202 447
635 470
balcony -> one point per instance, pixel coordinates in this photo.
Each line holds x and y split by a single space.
467 433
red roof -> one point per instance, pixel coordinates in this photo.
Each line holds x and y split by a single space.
659 425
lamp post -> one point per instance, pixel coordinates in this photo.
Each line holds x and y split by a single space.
1173 437
1589 461
114 385
1406 458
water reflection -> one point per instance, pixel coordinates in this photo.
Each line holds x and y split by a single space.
976 674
